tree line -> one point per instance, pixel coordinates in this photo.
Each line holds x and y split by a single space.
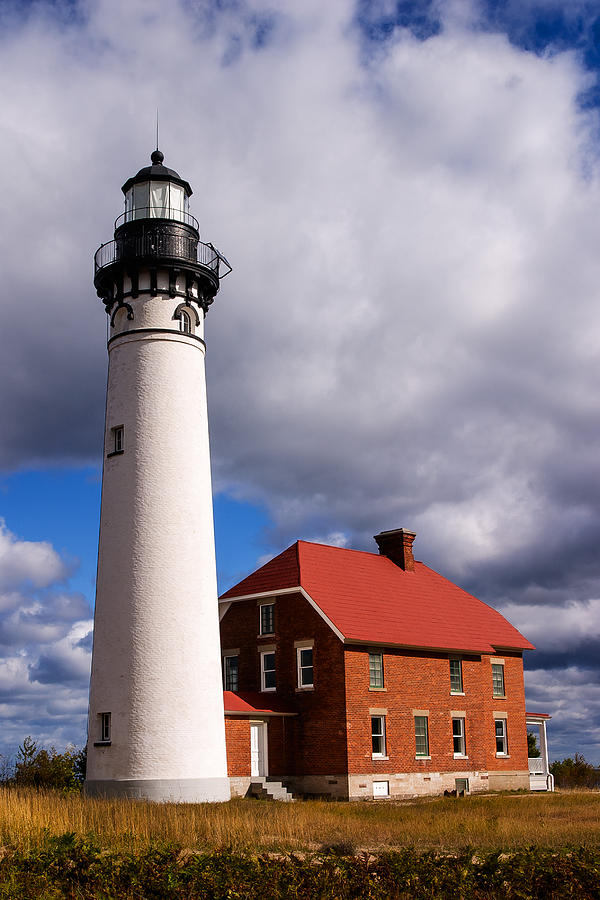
36 766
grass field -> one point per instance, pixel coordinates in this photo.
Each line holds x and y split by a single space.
488 822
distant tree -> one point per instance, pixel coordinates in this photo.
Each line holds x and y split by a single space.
533 751
41 768
574 773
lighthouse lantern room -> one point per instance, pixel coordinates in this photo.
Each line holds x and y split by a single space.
156 726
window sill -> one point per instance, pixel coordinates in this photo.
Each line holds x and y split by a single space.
115 453
460 756
457 693
305 687
422 757
271 635
377 688
373 756
102 743
268 690
502 755
499 696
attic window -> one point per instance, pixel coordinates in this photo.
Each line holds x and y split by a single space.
230 671
456 679
375 670
267 618
498 680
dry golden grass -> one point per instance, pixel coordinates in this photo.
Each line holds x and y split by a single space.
486 822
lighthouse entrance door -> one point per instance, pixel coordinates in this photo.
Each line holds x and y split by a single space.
258 749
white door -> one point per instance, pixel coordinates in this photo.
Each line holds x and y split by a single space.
258 749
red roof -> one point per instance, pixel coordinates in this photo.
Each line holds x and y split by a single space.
370 599
253 702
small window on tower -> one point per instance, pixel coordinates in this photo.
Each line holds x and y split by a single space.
185 322
104 735
117 441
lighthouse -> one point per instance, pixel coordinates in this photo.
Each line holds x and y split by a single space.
156 725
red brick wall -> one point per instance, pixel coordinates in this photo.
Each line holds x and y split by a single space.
332 733
237 736
314 743
416 680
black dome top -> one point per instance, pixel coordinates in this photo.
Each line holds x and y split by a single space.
157 172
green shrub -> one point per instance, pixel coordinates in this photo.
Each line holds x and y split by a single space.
41 768
71 867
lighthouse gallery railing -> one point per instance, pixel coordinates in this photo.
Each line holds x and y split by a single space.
150 245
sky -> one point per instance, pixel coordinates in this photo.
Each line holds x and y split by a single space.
409 194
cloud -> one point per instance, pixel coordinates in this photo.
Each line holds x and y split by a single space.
410 334
34 562
44 646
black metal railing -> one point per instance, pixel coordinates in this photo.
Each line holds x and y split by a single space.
154 245
156 212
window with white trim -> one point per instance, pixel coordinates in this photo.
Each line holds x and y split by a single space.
456 679
375 670
378 736
501 741
230 672
304 662
105 727
458 737
422 735
267 671
185 322
498 680
267 618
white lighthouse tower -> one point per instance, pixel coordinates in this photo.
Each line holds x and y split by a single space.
156 726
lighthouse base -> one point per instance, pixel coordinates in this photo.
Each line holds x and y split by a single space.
163 790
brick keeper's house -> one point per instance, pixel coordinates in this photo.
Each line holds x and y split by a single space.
361 675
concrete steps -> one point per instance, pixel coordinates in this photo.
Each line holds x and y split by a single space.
269 790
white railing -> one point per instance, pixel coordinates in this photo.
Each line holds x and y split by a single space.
536 766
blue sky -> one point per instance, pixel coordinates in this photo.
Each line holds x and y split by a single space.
409 193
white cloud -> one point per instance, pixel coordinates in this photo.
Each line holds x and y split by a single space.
33 562
44 656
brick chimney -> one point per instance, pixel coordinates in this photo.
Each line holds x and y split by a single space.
397 546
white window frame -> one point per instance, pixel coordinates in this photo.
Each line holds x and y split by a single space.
378 735
263 671
502 736
372 685
455 660
459 734
105 727
425 755
226 657
260 617
498 670
185 322
300 669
